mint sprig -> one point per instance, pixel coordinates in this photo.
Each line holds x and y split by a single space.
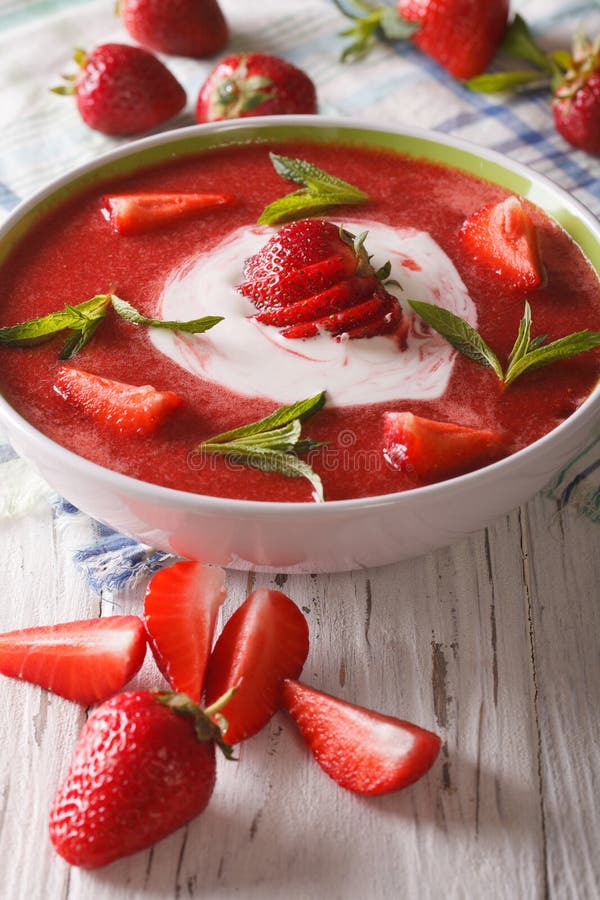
527 353
192 326
319 190
274 443
81 320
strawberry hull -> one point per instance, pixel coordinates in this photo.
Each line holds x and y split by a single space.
435 199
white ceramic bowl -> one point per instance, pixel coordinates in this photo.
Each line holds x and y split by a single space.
307 537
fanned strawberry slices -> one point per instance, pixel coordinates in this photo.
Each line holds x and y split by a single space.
313 276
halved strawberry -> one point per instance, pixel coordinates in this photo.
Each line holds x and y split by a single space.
136 213
314 276
264 641
85 661
502 237
122 407
363 751
180 612
427 450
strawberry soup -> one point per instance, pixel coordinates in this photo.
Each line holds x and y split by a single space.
242 368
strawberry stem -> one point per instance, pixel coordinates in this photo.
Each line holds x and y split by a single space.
206 729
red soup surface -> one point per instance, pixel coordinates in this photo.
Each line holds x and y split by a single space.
74 254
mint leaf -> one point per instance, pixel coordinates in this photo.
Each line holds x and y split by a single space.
523 340
458 333
526 355
193 326
562 348
319 190
82 319
273 443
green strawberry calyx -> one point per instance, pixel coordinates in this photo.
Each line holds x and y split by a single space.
209 723
241 92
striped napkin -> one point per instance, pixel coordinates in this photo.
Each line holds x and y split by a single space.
42 136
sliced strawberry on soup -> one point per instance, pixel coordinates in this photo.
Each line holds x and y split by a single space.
122 407
363 751
180 612
314 276
264 641
85 661
502 238
427 450
137 213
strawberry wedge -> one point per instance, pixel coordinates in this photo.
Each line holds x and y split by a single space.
363 751
427 450
124 408
136 213
85 661
180 612
502 238
264 641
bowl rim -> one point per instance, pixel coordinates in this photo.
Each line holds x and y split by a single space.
206 503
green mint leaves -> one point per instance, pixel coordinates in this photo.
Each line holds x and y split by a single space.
193 326
526 355
81 321
319 190
273 444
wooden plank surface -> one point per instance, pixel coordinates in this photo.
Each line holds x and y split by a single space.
492 643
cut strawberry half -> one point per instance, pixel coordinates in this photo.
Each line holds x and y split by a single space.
502 238
180 612
85 661
427 450
124 408
136 213
363 751
264 641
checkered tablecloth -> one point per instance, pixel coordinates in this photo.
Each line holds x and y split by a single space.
42 136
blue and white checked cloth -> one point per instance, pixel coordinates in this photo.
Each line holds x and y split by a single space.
42 136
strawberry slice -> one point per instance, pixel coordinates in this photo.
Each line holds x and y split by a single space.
428 450
326 303
264 641
125 408
85 661
341 323
180 613
136 213
290 287
363 751
502 237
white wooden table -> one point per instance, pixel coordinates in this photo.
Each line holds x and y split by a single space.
493 643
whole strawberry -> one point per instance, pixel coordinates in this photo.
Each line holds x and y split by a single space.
576 100
194 28
461 35
254 84
143 766
122 90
